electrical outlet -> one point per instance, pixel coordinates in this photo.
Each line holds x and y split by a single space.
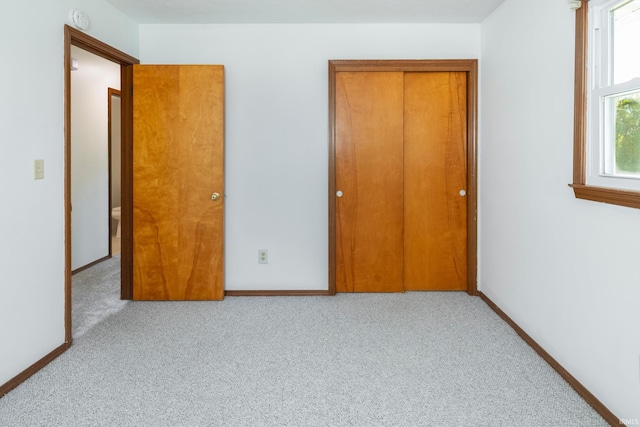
263 256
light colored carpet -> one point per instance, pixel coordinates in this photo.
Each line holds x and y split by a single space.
95 295
414 359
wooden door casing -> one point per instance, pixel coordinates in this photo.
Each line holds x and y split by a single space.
369 175
462 261
178 156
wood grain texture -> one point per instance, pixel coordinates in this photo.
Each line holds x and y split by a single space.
467 66
435 215
630 199
177 165
403 65
580 95
472 178
126 196
369 152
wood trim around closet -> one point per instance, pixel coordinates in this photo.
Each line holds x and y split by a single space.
469 66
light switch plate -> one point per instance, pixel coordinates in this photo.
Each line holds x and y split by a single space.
38 169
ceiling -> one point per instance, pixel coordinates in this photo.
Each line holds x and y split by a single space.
306 11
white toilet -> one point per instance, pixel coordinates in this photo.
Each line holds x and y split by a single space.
115 214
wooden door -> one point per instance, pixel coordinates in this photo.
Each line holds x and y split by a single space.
178 148
401 172
435 219
369 175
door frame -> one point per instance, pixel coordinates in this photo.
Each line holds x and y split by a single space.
470 67
79 39
111 92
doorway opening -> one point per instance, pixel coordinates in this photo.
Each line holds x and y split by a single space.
92 81
73 37
114 120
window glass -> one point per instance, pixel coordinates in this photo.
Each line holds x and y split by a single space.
606 163
622 135
625 23
614 99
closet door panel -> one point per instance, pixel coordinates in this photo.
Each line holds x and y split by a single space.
435 219
369 175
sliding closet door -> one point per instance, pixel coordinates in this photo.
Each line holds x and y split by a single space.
369 181
435 210
178 182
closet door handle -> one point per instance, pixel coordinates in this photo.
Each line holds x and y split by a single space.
339 193
215 196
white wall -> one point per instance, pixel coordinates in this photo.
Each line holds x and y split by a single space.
566 270
277 129
32 214
91 214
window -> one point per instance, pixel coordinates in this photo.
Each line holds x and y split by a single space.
607 131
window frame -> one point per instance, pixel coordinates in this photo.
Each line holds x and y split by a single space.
582 190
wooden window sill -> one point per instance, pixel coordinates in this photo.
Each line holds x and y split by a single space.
607 195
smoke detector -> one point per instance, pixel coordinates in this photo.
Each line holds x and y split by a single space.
79 19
